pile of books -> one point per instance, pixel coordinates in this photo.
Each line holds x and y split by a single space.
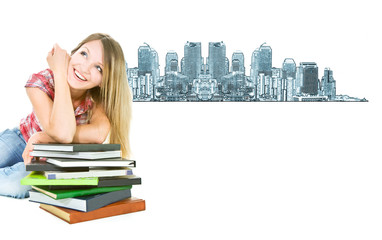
82 182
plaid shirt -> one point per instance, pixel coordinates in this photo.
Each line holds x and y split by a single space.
44 80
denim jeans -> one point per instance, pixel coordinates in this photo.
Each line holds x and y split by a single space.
12 168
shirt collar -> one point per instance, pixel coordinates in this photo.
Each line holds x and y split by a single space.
85 105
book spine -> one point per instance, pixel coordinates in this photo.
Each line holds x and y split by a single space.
50 176
77 217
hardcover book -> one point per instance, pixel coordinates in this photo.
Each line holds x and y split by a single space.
71 193
128 205
114 162
38 178
84 203
77 155
76 147
90 173
36 165
103 182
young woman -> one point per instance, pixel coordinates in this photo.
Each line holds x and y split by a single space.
81 98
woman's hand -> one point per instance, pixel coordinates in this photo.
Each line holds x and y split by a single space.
38 137
58 60
29 147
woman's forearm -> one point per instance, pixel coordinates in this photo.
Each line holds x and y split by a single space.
62 122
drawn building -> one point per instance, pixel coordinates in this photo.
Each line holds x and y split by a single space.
143 79
309 78
328 84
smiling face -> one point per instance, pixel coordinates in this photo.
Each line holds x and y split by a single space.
86 66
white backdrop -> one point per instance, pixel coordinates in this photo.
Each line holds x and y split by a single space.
223 170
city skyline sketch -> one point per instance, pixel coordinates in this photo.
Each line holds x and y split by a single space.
215 78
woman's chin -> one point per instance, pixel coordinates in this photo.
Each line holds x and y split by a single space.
75 84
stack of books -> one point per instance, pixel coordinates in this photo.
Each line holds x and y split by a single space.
82 182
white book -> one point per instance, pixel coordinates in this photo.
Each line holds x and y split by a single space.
90 173
86 163
75 147
77 155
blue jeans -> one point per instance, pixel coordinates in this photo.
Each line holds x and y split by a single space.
12 168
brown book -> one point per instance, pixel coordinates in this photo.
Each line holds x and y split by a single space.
128 205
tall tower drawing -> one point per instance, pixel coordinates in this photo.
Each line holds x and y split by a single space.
261 64
328 84
192 62
238 62
255 72
171 62
147 60
309 71
265 60
148 71
289 68
216 60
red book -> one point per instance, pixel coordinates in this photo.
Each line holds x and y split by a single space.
128 205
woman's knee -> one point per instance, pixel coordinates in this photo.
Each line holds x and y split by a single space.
11 148
10 181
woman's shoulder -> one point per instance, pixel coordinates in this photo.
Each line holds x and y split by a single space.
43 80
47 74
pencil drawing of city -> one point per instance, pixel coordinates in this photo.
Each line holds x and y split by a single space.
218 79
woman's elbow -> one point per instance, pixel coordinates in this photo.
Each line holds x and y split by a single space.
65 139
101 138
62 135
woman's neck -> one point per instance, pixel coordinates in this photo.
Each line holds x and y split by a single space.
77 96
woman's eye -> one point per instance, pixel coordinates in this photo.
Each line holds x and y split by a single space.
99 69
83 53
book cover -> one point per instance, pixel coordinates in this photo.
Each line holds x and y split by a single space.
90 173
76 147
103 182
65 163
71 193
128 205
38 178
37 165
77 155
84 203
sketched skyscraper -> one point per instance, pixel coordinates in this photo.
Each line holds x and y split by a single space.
261 64
148 70
289 68
328 84
309 71
171 62
265 60
238 62
147 60
217 60
192 63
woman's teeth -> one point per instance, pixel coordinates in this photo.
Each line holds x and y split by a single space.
79 75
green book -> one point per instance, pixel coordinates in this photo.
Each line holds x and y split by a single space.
38 178
70 193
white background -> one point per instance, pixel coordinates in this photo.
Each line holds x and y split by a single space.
223 170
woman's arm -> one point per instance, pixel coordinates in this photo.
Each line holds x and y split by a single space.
97 129
60 124
94 132
56 117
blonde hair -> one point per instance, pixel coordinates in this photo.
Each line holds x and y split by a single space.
114 94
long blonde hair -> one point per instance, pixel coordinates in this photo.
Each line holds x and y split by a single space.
114 93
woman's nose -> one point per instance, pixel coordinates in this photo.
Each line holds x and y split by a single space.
85 67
